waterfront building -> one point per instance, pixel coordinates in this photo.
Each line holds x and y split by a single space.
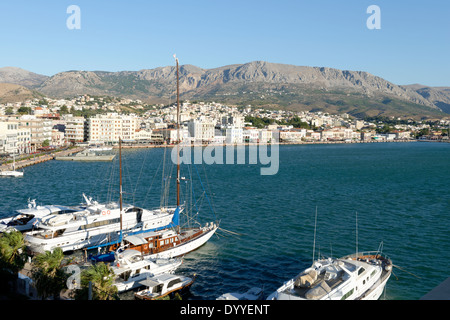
234 135
40 130
292 135
338 133
13 138
75 129
264 136
108 128
201 130
250 135
58 138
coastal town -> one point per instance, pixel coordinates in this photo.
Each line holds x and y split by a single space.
45 124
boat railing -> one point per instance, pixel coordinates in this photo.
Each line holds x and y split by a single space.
367 254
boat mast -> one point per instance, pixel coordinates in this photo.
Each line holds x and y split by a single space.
178 136
120 185
314 244
356 234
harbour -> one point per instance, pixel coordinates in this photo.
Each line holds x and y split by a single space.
397 189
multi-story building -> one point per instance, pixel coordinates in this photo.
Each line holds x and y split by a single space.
234 135
75 129
201 130
14 139
292 135
250 135
108 128
40 130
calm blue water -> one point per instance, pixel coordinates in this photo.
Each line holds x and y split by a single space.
398 191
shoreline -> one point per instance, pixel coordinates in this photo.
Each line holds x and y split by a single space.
138 146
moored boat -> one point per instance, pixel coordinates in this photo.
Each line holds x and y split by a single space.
168 243
165 286
254 293
361 276
94 225
27 218
130 267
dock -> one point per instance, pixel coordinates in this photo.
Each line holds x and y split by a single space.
39 159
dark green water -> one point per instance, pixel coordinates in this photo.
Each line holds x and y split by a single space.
398 191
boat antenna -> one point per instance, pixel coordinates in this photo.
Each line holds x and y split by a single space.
314 244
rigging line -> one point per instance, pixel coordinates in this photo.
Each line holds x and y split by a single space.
201 183
153 180
140 172
109 190
163 176
209 188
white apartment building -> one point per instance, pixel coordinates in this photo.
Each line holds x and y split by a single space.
75 129
14 139
40 130
265 136
234 135
292 135
250 135
108 128
57 138
337 134
201 130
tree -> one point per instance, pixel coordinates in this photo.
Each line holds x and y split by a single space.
101 277
12 256
63 110
24 110
48 273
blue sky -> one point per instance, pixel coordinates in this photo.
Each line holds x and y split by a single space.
412 46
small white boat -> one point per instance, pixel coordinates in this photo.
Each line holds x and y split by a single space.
361 276
253 293
130 267
99 148
164 286
13 172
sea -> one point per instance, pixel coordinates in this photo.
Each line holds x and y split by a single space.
324 200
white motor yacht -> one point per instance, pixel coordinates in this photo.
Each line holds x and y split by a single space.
361 276
95 225
130 267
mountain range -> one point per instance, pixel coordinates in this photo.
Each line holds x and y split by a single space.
257 83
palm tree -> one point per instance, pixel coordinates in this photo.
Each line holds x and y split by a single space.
48 273
101 279
12 256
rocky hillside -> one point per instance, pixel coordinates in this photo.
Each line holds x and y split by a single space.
22 77
257 83
13 92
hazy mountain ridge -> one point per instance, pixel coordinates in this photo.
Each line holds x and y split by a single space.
258 82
